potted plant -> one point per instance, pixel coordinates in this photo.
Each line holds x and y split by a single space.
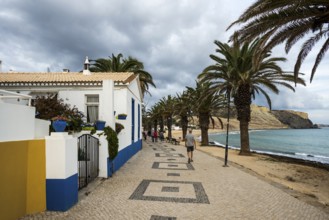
122 116
87 127
100 125
50 107
59 123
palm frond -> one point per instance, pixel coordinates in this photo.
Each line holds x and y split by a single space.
280 21
306 48
319 57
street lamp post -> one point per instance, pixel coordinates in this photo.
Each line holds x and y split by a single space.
227 127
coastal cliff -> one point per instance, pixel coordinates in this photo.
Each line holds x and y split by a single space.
293 119
263 118
286 118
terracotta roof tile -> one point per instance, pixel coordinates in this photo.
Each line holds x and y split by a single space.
15 77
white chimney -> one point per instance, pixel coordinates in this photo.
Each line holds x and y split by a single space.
86 70
66 70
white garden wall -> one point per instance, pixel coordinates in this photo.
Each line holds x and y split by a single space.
61 154
17 122
41 129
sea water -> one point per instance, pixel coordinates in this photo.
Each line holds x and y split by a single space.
307 144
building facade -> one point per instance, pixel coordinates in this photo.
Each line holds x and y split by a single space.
100 96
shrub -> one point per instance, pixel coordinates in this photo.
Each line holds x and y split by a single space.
112 141
49 106
118 127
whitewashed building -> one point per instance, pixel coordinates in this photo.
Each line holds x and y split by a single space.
99 95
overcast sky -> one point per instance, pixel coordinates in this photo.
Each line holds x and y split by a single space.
172 38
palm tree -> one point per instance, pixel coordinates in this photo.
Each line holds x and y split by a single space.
145 119
167 105
242 77
288 21
183 109
206 105
120 64
155 115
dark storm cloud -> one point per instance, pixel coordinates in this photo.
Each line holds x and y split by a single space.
172 38
48 33
158 32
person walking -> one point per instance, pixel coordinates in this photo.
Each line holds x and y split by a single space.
190 145
155 136
161 136
152 135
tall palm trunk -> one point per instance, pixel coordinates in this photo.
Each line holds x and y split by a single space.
244 138
155 124
149 126
161 124
204 125
242 103
169 124
184 124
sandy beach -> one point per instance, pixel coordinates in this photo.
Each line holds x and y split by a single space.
303 180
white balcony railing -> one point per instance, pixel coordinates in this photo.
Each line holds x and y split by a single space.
13 95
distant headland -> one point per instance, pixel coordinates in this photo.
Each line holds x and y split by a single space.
264 118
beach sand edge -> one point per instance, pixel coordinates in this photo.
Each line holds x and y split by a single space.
304 180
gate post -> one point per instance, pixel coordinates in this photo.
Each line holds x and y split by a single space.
61 171
103 155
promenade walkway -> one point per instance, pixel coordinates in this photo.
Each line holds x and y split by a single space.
158 183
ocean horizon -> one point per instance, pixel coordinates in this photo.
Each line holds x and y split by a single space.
306 144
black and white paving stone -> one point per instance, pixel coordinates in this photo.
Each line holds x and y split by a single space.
170 191
168 166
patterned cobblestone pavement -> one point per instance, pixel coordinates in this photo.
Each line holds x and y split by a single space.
159 184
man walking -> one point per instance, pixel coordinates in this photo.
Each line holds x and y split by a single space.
190 145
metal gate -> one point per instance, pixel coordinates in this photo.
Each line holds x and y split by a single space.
88 159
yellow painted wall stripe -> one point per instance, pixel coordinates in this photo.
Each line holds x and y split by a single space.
22 170
36 177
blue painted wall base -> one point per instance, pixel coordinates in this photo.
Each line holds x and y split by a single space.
61 194
123 156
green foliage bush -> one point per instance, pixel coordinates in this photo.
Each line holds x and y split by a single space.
50 106
112 141
118 127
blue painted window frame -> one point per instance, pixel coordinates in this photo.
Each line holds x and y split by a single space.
139 122
132 120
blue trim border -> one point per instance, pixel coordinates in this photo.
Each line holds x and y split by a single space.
61 194
123 156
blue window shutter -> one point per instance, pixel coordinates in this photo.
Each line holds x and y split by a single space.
132 121
139 122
